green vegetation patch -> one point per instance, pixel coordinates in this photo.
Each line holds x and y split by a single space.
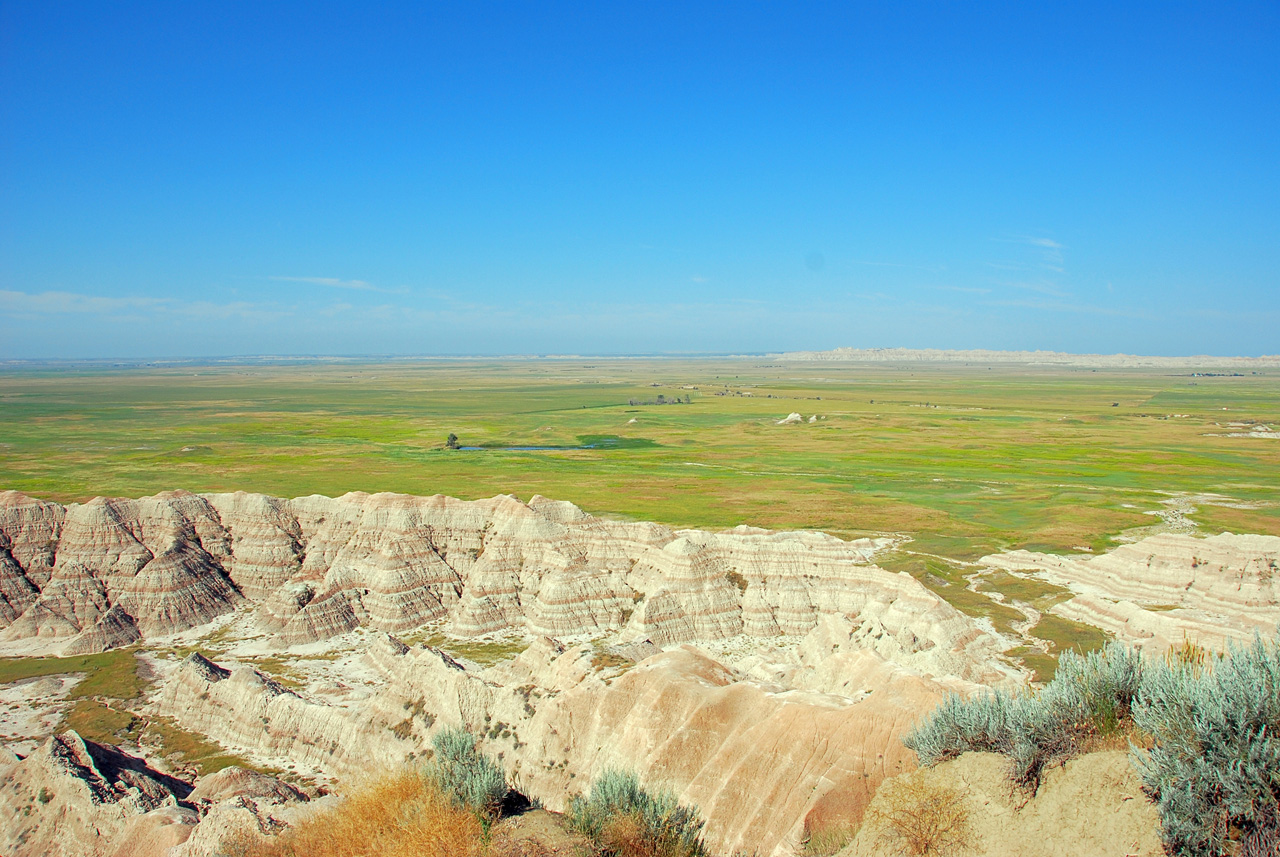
1037 593
486 653
194 750
111 674
1064 634
103 702
951 584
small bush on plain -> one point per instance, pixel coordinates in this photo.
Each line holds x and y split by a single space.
471 779
627 821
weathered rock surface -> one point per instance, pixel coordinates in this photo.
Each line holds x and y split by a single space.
810 660
761 761
73 797
111 572
1167 588
1093 805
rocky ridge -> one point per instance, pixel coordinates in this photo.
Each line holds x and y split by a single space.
94 799
93 576
1167 588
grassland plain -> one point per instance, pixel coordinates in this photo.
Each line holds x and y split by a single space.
963 459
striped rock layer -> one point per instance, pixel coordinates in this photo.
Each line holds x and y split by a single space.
87 577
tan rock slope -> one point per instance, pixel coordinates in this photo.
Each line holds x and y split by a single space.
1167 588
89 799
1092 806
762 762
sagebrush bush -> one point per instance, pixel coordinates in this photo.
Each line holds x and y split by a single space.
1214 763
1090 695
627 821
471 779
397 815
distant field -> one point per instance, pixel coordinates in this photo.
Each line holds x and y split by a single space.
964 458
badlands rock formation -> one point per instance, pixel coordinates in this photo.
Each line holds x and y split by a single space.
84 578
765 763
765 677
73 797
809 662
1167 588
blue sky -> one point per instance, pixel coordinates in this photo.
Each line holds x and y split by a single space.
200 179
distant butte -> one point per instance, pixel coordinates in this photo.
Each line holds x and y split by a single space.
1034 358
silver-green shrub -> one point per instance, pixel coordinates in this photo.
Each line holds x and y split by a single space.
1214 764
473 780
662 825
1090 694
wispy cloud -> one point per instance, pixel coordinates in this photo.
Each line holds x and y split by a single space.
1042 287
58 303
966 290
1041 263
1064 306
336 283
14 303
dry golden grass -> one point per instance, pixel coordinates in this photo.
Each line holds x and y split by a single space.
399 815
1189 654
921 819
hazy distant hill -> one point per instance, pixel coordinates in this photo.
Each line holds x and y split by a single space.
1059 358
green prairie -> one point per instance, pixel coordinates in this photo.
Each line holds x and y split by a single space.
965 459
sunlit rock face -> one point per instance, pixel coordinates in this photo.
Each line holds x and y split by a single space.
109 572
91 576
73 797
762 762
